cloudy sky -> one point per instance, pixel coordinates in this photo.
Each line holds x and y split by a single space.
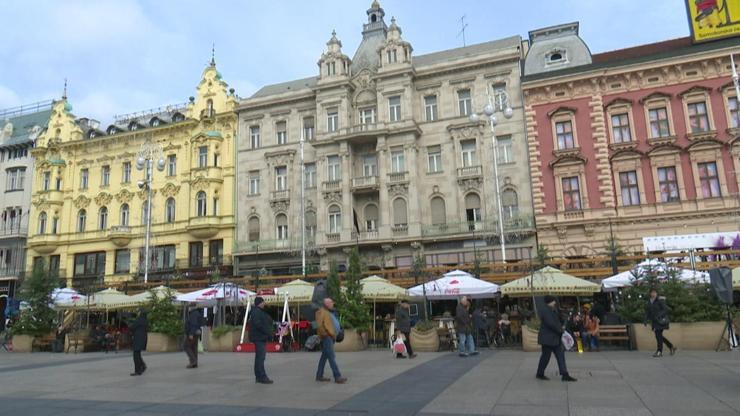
122 56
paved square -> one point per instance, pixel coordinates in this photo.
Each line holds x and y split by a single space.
494 383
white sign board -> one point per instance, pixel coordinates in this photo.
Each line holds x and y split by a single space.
688 242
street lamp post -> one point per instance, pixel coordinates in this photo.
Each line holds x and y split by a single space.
148 153
303 209
497 103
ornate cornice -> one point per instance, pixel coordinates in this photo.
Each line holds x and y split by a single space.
81 202
169 190
103 199
124 196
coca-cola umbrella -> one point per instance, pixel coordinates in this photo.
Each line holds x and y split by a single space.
454 285
65 298
229 293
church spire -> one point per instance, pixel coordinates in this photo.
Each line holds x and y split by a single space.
213 54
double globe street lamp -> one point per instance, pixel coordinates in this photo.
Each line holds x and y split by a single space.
499 102
148 153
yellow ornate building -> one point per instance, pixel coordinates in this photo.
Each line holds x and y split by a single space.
88 214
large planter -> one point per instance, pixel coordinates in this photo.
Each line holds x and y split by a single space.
22 343
353 341
224 343
424 341
158 342
529 339
686 336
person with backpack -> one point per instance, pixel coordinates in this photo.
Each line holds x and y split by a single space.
656 312
330 331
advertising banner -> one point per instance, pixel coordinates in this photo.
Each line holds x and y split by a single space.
713 19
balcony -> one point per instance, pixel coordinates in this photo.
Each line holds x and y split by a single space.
470 172
333 237
204 227
400 230
259 246
281 195
44 243
201 268
13 231
331 186
376 129
366 235
52 196
120 235
519 223
365 183
398 177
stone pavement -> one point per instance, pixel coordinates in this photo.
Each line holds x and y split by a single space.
494 383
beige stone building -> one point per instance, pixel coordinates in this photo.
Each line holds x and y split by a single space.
392 161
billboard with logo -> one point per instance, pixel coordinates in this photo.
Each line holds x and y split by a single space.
713 19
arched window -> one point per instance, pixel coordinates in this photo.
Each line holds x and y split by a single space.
281 227
124 215
310 224
510 204
209 108
371 217
335 219
103 218
169 211
472 210
439 212
253 232
177 117
400 218
201 202
42 223
81 220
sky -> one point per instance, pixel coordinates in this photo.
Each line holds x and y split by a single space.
122 56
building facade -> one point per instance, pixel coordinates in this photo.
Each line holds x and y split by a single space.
633 143
393 163
89 206
20 126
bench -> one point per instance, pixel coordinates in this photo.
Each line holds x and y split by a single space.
44 343
617 333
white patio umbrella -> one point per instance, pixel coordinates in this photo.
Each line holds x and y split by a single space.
67 298
627 278
229 293
110 299
453 285
159 292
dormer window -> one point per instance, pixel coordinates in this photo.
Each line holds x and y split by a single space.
133 126
209 108
555 57
112 130
92 134
155 122
392 56
331 68
177 117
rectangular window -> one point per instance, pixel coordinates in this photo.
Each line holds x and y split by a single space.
123 261
571 194
434 159
215 206
659 126
195 254
254 182
621 128
89 264
216 159
398 161
54 262
668 184
46 181
698 117
281 178
430 107
504 150
564 133
216 252
161 258
369 165
468 153
630 188
709 180
281 127
335 222
203 156
332 119
105 173
16 177
500 98
335 169
310 178
84 177
732 105
126 174
171 165
254 137
367 116
308 128
464 102
394 108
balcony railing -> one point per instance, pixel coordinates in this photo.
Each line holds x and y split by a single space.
365 235
292 244
334 185
280 195
470 171
120 229
365 182
394 177
400 230
518 223
13 230
332 237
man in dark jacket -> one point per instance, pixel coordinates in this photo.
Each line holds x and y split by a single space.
464 328
656 312
138 330
193 324
260 332
551 331
403 324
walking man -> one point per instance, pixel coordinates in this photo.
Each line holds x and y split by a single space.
261 331
656 312
327 326
138 342
464 328
193 325
403 324
551 331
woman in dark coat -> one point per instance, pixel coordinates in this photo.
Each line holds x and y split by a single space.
656 312
138 330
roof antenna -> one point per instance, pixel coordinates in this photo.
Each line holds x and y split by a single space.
462 31
64 94
213 54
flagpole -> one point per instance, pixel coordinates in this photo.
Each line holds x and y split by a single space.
303 209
